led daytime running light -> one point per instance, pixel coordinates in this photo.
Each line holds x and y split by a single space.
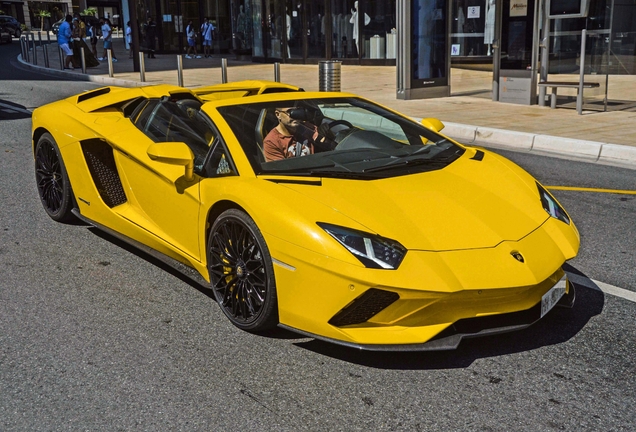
372 251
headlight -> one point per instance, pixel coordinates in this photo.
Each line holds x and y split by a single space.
372 251
551 206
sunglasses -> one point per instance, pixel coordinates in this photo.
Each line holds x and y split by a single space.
295 113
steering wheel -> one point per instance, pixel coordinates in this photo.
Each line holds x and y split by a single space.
340 122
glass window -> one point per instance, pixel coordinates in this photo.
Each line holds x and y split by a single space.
241 26
377 21
429 38
472 27
339 137
220 163
181 120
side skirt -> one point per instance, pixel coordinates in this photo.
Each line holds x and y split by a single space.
182 268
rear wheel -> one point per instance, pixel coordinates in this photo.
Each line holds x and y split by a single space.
241 272
52 180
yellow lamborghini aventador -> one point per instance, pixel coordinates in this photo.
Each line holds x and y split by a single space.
323 213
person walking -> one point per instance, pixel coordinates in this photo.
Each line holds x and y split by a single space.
92 33
192 41
64 36
150 37
129 39
79 34
207 30
107 35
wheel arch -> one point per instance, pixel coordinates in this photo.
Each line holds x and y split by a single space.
37 134
214 212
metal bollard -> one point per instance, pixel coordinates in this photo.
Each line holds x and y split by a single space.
45 51
61 55
48 36
329 75
180 70
110 63
224 70
277 72
35 51
40 38
25 51
83 60
142 67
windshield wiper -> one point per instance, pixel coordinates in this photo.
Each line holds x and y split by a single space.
408 162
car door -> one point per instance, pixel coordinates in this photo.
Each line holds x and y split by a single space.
160 199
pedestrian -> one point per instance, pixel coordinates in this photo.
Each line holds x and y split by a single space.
64 37
150 36
92 33
129 39
79 34
107 35
207 30
192 41
79 26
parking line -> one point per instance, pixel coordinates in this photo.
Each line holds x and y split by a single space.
584 189
602 286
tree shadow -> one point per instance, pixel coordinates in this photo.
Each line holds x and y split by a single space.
13 111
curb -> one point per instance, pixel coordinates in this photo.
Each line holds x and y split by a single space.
590 151
593 151
82 77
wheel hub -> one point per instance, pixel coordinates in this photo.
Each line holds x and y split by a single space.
241 270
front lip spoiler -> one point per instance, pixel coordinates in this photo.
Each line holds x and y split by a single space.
450 338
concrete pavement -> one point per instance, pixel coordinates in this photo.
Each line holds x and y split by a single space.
471 117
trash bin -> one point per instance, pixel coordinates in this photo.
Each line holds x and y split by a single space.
329 75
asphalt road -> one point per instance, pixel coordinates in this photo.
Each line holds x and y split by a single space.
97 336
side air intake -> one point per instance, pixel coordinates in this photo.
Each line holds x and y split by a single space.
364 307
101 164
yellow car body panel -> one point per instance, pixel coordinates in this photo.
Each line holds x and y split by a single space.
461 225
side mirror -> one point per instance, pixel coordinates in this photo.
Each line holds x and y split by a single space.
433 124
173 153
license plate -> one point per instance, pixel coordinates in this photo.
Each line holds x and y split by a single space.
553 296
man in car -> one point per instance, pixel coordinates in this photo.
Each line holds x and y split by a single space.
293 136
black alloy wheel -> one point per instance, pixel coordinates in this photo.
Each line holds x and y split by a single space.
241 272
52 180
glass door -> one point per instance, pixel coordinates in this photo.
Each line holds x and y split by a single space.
317 27
295 42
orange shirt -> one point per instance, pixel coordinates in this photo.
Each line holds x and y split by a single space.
277 146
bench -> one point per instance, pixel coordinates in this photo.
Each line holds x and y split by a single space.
565 84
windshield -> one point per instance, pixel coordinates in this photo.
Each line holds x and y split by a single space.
335 137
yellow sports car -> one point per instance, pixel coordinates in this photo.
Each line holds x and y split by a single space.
322 213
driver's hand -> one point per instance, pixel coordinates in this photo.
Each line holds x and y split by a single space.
325 133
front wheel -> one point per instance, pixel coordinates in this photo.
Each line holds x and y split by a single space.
241 272
52 180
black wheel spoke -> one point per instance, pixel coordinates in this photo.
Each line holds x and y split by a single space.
237 271
49 177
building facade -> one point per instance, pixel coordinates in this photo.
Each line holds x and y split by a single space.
357 31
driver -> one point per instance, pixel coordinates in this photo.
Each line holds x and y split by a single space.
292 137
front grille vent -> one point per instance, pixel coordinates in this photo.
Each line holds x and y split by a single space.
364 307
101 164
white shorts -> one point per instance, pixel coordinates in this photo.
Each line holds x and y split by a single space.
67 50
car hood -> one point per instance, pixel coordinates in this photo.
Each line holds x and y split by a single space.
469 204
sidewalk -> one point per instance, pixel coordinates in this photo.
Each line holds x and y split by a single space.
598 136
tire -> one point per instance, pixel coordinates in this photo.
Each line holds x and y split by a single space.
17 34
241 272
52 180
